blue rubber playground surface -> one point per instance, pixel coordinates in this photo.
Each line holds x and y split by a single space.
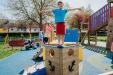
94 63
15 64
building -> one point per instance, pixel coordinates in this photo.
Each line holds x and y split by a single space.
19 28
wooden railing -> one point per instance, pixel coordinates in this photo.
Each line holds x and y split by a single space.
100 18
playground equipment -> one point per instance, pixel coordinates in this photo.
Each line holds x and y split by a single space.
81 54
100 19
13 42
8 41
71 38
71 35
112 47
16 43
83 32
56 63
110 34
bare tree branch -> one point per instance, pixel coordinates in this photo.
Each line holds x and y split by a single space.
29 9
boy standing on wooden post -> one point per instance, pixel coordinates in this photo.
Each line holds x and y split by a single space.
59 15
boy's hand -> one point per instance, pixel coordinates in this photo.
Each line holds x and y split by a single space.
74 9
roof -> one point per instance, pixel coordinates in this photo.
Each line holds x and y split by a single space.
12 25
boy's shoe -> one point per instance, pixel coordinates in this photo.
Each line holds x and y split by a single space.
60 46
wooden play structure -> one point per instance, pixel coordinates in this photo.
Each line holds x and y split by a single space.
16 43
83 32
13 42
110 34
62 61
97 21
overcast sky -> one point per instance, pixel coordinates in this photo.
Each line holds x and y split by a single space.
95 5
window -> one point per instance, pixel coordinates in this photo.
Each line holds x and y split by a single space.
35 29
12 29
24 29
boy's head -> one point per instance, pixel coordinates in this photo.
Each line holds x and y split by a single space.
60 4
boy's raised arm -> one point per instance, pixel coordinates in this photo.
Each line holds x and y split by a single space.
73 9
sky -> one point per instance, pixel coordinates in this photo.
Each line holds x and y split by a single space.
4 11
95 5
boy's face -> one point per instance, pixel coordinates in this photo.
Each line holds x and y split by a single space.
60 5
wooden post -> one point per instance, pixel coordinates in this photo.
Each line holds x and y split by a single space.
62 61
109 35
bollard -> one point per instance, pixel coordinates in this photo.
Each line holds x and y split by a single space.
62 61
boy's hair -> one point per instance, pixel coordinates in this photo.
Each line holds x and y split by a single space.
60 2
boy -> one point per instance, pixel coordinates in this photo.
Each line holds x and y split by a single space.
59 15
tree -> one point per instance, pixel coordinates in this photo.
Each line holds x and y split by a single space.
79 16
29 10
3 22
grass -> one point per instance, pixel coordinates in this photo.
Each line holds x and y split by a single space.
5 52
102 38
